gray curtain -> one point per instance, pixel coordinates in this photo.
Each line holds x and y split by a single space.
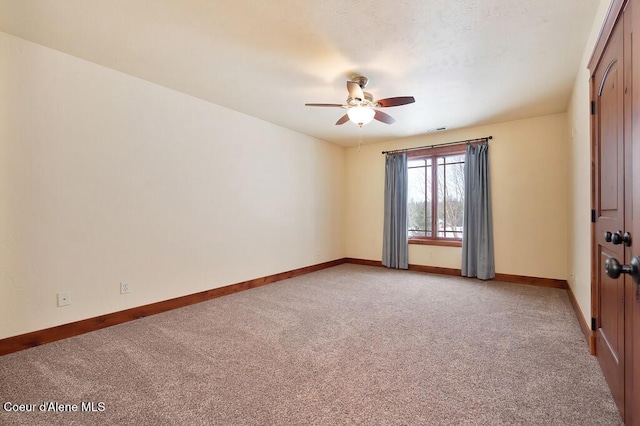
477 238
395 244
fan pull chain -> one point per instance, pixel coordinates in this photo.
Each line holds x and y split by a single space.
360 138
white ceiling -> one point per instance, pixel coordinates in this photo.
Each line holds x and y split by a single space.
466 62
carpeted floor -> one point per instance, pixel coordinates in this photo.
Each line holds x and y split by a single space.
346 345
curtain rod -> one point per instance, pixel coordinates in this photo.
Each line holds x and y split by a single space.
486 138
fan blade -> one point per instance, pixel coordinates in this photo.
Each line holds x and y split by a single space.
391 102
385 118
342 120
325 105
355 91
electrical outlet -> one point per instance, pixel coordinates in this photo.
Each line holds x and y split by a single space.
63 299
124 287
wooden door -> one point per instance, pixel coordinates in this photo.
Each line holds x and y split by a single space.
609 192
615 68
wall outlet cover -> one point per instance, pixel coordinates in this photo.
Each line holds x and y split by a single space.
63 299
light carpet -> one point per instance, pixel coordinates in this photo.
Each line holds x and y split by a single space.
346 345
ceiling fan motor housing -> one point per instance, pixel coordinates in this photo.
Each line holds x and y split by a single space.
360 81
367 101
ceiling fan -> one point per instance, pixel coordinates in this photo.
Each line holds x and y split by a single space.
360 105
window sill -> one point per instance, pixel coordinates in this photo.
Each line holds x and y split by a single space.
428 242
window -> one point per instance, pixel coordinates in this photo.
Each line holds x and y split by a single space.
436 195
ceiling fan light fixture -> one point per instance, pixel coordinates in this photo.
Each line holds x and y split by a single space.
360 105
361 115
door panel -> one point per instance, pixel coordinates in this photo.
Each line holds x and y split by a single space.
610 203
611 326
610 134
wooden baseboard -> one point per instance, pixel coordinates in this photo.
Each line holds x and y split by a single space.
540 282
48 335
436 270
589 335
363 262
419 268
516 279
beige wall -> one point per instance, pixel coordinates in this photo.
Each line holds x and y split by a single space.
528 161
579 218
105 177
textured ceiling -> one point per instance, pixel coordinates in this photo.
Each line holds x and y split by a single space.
467 62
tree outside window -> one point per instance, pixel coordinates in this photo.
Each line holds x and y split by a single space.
436 195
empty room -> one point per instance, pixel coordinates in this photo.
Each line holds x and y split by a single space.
319 212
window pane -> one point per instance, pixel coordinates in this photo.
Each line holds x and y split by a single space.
450 196
429 198
416 202
419 198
